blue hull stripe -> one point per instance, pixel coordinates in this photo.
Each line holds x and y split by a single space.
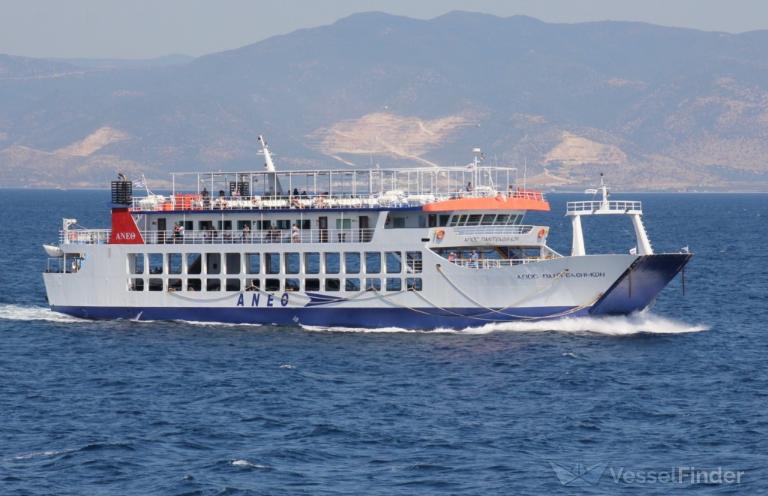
422 318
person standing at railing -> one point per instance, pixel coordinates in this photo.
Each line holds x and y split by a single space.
246 233
452 256
206 198
177 227
295 234
475 259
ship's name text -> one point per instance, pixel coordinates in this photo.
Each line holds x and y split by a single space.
256 300
564 275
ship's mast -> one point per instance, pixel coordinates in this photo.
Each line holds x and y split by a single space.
274 187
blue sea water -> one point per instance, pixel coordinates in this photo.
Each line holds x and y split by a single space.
183 408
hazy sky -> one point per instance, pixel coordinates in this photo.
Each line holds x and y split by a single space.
149 28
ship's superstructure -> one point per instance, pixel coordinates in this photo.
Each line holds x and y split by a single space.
414 248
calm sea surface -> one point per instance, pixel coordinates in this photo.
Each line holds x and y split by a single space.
580 406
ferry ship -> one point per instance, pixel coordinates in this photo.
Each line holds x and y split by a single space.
417 248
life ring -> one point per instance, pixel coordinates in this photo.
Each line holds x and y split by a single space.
439 234
542 233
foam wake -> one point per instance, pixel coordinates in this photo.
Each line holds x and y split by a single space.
27 313
639 323
246 464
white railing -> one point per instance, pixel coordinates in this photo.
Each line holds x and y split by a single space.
600 206
271 236
490 263
389 199
84 236
492 230
198 202
327 189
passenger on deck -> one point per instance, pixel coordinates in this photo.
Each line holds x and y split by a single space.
452 256
295 234
475 259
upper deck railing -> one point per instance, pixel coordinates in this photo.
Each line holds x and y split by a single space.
603 207
328 189
493 263
266 236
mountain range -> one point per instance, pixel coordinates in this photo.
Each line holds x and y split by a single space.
655 108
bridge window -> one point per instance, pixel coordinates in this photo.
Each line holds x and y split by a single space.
413 283
474 219
155 263
213 263
136 263
194 285
501 219
394 262
155 284
443 220
394 284
373 284
194 263
233 284
312 262
352 263
233 263
174 263
252 263
136 284
292 284
292 263
252 284
272 263
312 285
372 262
343 224
352 284
174 284
332 263
488 220
272 285
459 220
413 260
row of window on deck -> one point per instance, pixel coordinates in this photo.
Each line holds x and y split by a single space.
393 221
332 284
274 263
